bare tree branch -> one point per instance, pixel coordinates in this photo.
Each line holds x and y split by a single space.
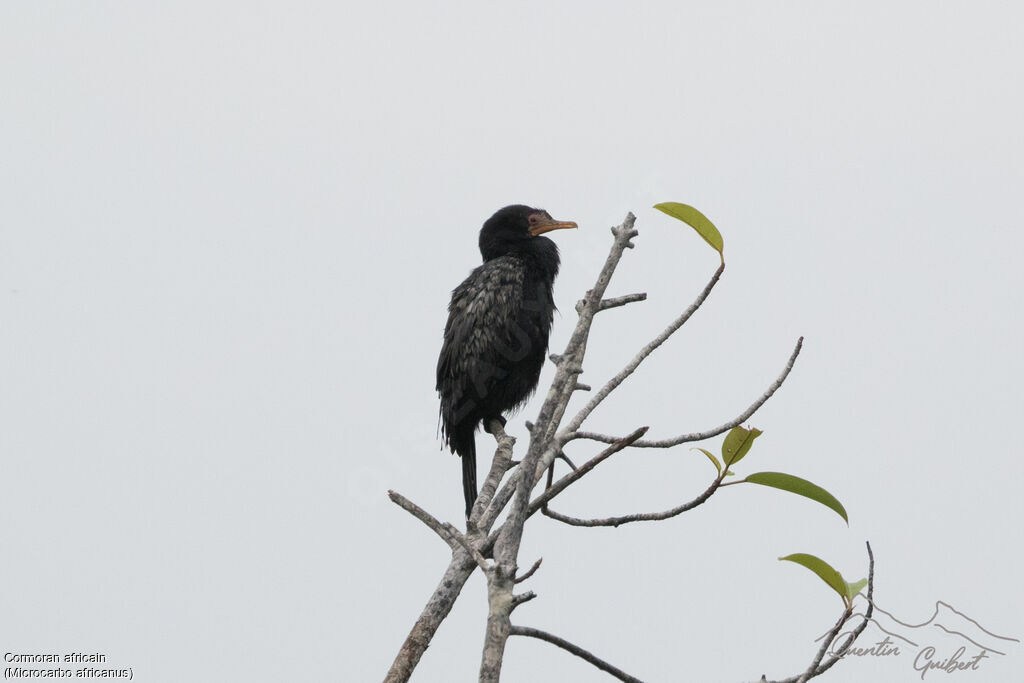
419 513
574 649
521 598
449 534
499 465
473 552
539 456
618 379
557 400
638 517
815 669
448 589
436 611
700 436
563 456
531 572
500 603
838 654
812 669
459 569
622 300
576 475
504 495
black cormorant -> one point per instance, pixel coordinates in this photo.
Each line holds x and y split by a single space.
496 337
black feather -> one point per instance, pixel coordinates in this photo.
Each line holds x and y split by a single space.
496 337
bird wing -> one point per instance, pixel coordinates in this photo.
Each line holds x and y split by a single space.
481 309
481 314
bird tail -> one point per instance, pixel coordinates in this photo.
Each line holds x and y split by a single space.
469 475
465 445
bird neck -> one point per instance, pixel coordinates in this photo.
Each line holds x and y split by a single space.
539 255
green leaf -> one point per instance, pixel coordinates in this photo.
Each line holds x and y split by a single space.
853 588
696 220
801 487
737 442
711 457
823 569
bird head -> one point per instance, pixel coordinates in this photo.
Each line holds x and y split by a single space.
517 228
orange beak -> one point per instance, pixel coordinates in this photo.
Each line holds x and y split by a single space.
547 225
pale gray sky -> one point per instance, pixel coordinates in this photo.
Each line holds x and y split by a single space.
228 232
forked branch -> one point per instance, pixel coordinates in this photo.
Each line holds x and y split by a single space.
819 667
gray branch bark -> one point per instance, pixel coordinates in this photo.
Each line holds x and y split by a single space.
701 436
818 667
640 516
618 379
538 458
576 650
438 606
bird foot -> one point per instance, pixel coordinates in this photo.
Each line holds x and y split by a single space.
486 423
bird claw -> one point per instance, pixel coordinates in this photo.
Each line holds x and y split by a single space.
487 423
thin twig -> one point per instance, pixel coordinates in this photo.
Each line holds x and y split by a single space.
700 436
574 476
812 669
468 547
638 517
419 513
521 598
574 649
449 534
531 572
848 643
618 379
622 300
